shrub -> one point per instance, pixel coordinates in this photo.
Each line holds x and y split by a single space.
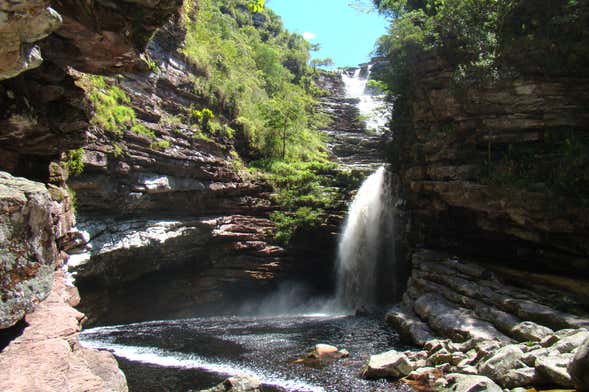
75 161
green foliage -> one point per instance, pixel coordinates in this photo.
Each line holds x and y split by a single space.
153 66
249 70
305 191
111 110
326 62
255 6
288 224
117 150
73 200
141 129
75 161
159 144
557 164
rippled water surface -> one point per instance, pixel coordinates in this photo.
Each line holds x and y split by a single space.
197 353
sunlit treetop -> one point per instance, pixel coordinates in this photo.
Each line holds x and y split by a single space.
255 6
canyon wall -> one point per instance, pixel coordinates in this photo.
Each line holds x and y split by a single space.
43 114
463 138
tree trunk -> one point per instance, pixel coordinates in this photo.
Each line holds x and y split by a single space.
283 144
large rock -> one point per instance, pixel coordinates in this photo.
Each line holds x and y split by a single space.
501 362
579 368
391 364
530 331
32 220
237 384
453 321
99 37
47 356
22 24
554 369
408 325
471 383
570 343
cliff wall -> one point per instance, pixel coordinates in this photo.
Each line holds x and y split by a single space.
43 114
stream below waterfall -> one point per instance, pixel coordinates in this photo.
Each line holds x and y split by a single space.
179 355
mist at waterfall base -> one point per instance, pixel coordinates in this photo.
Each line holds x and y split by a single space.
365 265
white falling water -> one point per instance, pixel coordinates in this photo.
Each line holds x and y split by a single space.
366 243
372 107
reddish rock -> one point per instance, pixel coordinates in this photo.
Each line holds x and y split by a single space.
47 356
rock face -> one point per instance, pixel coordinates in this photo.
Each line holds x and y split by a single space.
47 356
579 368
454 200
22 24
184 211
99 38
33 219
43 113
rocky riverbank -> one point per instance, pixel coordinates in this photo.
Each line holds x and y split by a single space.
477 319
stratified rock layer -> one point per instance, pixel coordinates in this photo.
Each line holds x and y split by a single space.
496 323
454 139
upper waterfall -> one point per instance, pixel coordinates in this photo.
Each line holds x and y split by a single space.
372 106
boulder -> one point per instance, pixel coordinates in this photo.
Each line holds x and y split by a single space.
530 331
569 343
554 369
454 322
526 376
471 383
236 384
391 364
47 356
501 362
409 326
579 368
531 357
325 349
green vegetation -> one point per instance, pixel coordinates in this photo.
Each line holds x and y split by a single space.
159 145
557 164
305 191
253 76
256 86
113 114
111 110
485 43
75 161
73 200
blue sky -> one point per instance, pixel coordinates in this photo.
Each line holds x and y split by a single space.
345 34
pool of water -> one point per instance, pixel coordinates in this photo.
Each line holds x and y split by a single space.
197 353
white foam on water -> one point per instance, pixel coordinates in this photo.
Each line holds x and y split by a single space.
163 358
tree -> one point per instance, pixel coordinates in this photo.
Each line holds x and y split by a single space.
326 62
285 114
255 6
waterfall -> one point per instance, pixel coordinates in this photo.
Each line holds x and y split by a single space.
366 244
371 105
